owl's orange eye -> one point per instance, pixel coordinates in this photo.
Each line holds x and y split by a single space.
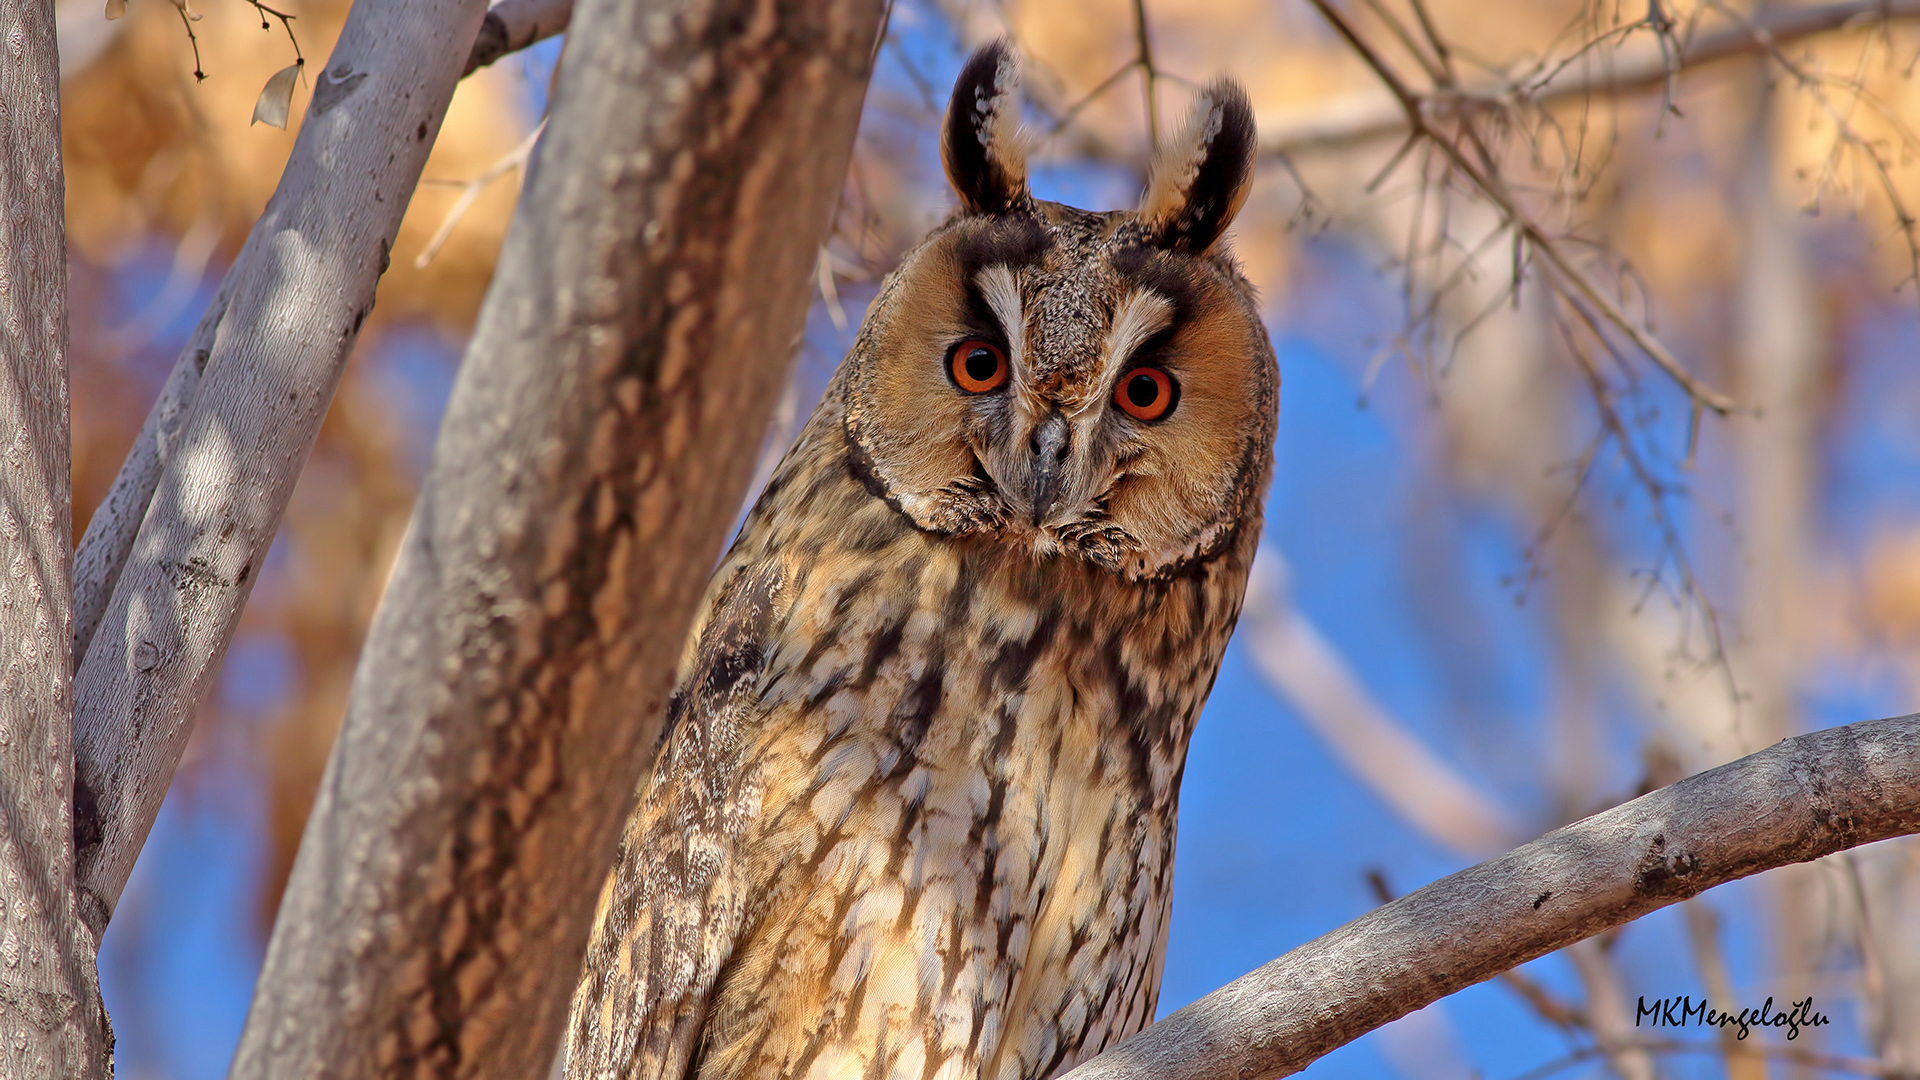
977 366
1146 393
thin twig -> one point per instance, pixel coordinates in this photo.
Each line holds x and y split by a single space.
513 161
1106 84
286 23
1339 124
1657 490
1438 44
1434 71
1143 41
1845 137
199 72
1494 189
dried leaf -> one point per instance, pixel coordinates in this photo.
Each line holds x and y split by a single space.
187 10
116 9
276 97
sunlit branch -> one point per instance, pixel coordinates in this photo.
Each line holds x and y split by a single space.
1798 800
1488 182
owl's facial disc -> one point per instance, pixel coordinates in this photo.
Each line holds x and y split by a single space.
1054 441
1052 382
1068 383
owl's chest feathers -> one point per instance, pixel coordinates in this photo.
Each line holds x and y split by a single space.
959 801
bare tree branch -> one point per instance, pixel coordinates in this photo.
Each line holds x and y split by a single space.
1340 124
513 161
1477 168
1798 800
51 1021
300 294
103 550
512 25
601 433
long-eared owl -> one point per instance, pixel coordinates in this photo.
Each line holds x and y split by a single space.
913 813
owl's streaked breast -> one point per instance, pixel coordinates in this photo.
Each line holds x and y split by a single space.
914 815
961 788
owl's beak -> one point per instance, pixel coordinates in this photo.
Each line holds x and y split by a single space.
1050 443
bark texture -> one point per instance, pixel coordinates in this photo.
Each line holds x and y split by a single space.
599 440
51 1023
305 283
108 542
1798 800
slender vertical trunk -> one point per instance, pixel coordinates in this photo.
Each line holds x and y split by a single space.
50 1015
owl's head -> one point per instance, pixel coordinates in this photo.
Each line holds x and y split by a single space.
1080 384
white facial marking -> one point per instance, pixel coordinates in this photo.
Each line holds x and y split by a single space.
1142 314
1002 294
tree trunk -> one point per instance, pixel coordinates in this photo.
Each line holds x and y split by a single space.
51 1022
599 439
296 301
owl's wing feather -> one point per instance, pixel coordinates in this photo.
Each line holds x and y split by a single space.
672 911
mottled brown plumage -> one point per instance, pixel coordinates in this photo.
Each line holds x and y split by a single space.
914 814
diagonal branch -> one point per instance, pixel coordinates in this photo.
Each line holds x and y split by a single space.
131 744
103 550
1795 801
1293 656
295 304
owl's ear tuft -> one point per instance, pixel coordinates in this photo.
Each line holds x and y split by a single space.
981 144
1200 179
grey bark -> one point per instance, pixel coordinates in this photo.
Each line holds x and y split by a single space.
600 436
108 541
512 25
51 1022
301 292
1795 801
